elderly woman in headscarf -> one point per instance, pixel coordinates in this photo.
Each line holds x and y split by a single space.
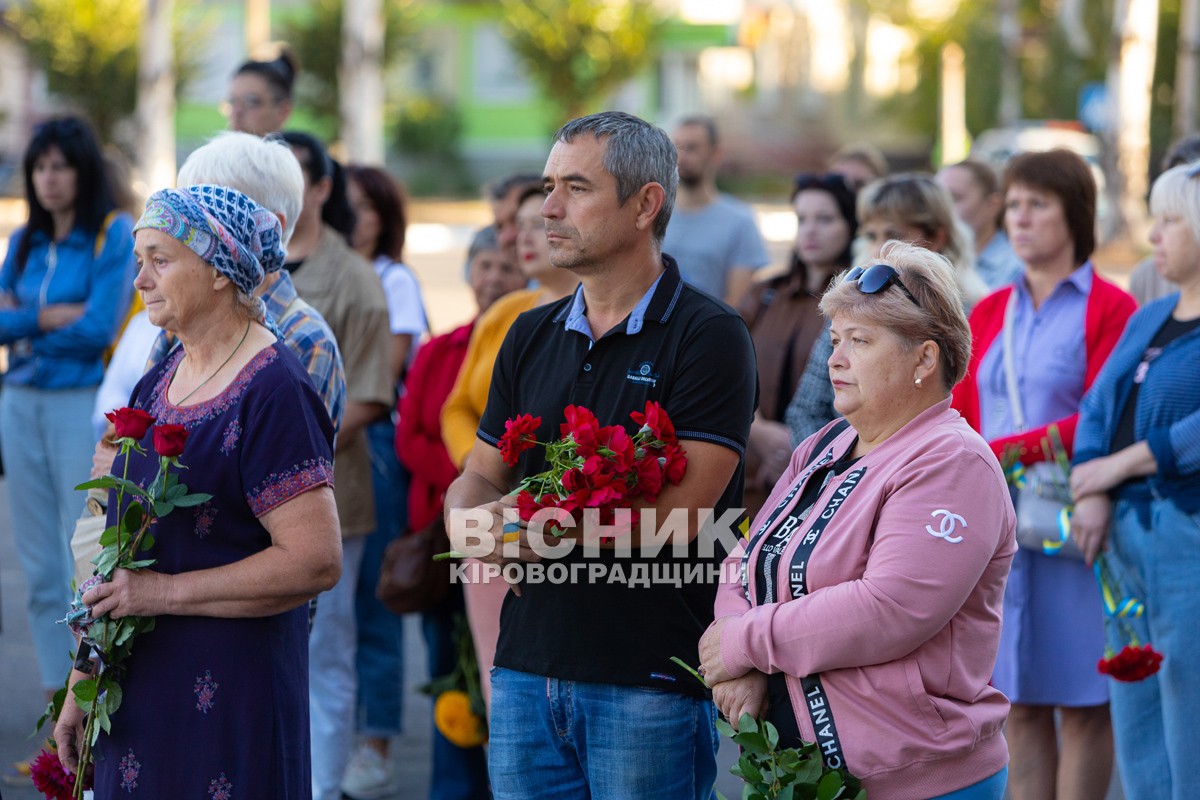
215 697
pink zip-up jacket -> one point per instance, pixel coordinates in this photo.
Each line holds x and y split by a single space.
902 616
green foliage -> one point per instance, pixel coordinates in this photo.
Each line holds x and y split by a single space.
429 127
774 773
89 51
316 38
579 51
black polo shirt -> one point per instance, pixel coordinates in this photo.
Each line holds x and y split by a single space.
693 355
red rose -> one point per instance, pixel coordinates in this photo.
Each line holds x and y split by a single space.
131 423
656 421
674 461
169 440
1132 664
520 434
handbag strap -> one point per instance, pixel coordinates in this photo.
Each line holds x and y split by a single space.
1010 369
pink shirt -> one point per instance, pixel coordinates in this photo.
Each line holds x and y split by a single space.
902 615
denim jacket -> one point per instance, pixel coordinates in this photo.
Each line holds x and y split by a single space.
1168 408
69 271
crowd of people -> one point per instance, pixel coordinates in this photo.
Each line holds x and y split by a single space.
855 426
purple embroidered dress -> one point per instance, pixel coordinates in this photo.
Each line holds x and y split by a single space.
217 708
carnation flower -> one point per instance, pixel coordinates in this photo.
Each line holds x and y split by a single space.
520 434
51 778
1132 664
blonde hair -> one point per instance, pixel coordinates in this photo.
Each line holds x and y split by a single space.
1177 191
941 317
916 199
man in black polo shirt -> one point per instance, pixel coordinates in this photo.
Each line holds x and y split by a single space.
585 699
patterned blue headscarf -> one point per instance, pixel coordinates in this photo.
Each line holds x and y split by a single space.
227 229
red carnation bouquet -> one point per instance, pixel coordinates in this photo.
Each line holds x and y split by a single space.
105 643
593 466
1136 661
596 466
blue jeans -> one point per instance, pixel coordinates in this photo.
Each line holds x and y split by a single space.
331 677
459 773
380 660
1154 720
987 789
47 442
560 739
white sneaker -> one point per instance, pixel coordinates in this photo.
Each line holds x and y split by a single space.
369 776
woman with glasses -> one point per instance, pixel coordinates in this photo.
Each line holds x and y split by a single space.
863 614
64 289
1136 484
909 207
1061 321
260 95
784 322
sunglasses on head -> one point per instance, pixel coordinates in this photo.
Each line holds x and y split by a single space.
877 277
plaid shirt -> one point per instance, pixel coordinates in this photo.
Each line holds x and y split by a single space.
309 337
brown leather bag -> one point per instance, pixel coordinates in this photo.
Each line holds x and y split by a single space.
410 581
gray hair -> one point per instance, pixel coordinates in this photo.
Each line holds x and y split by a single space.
265 170
501 187
1177 191
638 153
484 240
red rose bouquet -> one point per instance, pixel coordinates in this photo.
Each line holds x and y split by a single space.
1136 661
106 643
596 466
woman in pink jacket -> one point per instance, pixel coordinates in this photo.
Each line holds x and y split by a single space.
864 612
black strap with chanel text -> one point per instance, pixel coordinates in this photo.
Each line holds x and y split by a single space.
814 692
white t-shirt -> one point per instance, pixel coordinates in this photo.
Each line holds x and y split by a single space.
406 311
126 368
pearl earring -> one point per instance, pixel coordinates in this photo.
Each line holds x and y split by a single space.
918 383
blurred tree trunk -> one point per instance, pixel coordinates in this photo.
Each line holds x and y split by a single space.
1130 75
1187 65
155 110
360 81
258 25
1010 66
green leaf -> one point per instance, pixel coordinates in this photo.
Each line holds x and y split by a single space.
85 690
106 562
107 482
192 500
809 770
147 541
126 628
142 564
771 733
746 769
177 490
134 516
753 741
109 536
112 698
102 719
830 786
786 793
724 728
163 507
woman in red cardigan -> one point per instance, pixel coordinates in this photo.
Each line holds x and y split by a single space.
1063 321
458 774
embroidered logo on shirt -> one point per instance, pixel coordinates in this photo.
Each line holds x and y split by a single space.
643 373
950 521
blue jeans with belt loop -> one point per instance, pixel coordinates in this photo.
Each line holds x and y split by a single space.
1154 720
47 441
561 740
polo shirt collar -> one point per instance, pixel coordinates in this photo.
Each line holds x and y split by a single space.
656 304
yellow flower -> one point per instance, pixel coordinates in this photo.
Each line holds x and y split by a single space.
454 719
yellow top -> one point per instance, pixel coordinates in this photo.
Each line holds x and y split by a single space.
464 407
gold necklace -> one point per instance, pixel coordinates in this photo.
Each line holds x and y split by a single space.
245 333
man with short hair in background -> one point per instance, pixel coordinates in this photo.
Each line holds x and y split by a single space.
714 237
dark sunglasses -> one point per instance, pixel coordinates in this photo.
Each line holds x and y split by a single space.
877 277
